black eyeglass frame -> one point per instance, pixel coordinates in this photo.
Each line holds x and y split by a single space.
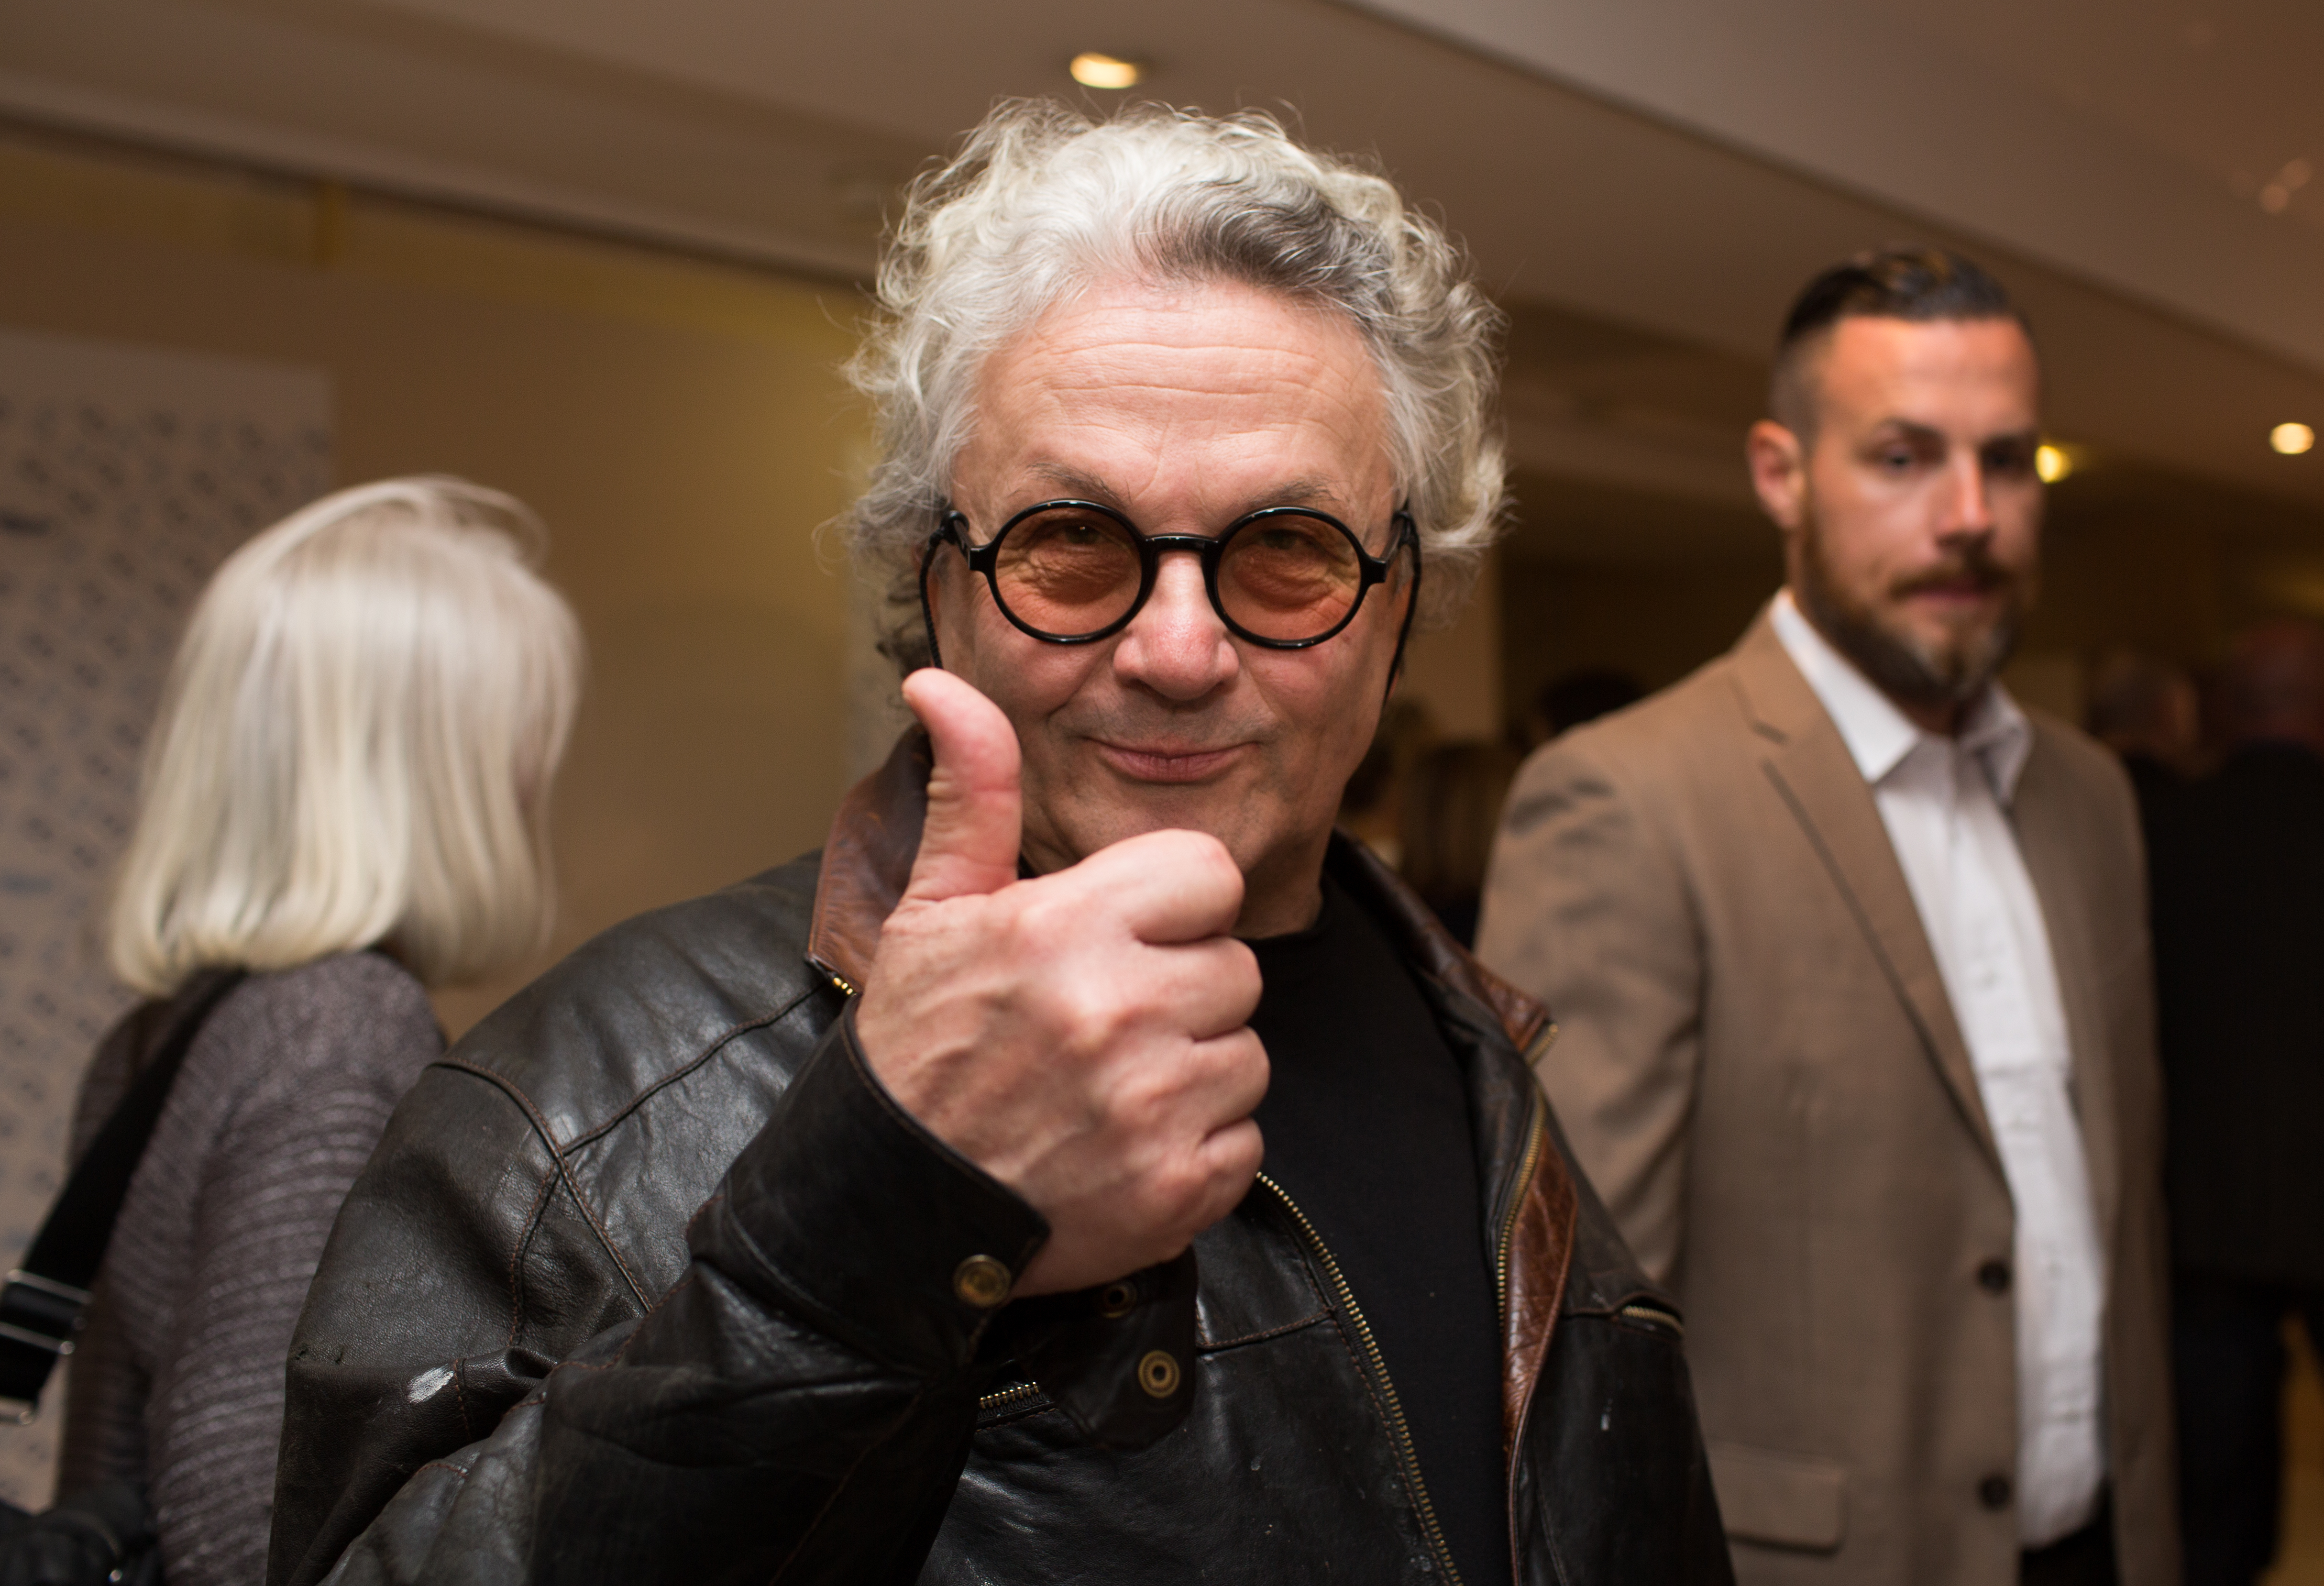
953 529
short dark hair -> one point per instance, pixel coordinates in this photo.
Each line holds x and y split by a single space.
1899 282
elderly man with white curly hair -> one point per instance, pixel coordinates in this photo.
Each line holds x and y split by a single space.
1088 1167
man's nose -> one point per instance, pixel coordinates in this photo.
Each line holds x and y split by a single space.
1969 497
1176 645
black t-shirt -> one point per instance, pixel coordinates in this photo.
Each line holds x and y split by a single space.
1367 1127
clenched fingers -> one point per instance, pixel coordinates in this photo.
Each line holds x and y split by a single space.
1164 886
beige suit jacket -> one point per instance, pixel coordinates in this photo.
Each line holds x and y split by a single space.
1759 1069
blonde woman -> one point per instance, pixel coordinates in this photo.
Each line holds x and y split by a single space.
345 798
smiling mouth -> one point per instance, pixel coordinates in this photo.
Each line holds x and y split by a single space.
1168 765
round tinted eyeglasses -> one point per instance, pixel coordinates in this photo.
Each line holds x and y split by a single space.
1073 572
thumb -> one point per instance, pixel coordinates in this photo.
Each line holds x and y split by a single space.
975 803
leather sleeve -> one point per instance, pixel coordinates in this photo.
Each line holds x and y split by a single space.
1585 909
796 1408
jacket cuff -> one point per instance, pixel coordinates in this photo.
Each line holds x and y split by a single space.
893 1241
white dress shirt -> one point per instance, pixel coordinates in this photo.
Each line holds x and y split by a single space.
1942 801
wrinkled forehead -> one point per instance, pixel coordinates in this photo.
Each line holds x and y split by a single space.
1146 386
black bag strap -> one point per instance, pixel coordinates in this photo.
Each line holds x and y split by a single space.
41 1305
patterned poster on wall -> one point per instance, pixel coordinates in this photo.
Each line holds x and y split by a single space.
126 475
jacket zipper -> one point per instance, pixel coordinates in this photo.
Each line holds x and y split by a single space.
1406 1455
1016 1393
1537 1133
1639 1311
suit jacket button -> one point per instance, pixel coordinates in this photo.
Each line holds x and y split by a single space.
1993 1492
1993 1278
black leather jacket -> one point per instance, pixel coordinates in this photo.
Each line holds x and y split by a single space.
650 1281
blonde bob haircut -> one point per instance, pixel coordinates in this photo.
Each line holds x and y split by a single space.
355 746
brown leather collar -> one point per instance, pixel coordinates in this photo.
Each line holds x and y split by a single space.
867 860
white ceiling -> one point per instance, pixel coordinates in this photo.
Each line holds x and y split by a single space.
1663 165
2164 148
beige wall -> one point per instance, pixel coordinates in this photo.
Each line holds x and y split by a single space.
1456 671
679 425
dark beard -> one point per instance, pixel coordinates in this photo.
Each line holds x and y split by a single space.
1897 662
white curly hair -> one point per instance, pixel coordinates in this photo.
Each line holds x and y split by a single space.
1042 202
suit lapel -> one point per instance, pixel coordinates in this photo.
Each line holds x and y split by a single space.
1808 761
2052 842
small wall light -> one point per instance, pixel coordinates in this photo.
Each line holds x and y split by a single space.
1094 70
2053 462
2291 439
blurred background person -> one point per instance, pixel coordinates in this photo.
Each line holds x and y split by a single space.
2149 712
2238 907
345 800
1371 806
1572 698
1450 804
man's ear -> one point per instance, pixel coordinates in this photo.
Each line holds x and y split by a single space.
1779 473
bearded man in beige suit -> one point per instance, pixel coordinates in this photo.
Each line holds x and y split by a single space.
1850 954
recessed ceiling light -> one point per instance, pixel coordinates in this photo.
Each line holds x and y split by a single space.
2053 462
2291 439
1094 70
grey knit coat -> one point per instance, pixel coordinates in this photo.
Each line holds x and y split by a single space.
178 1379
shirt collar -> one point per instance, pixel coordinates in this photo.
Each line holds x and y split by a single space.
1878 736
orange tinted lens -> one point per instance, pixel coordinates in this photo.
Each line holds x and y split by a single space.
1067 571
1289 578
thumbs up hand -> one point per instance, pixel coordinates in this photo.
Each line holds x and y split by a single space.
1082 1036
